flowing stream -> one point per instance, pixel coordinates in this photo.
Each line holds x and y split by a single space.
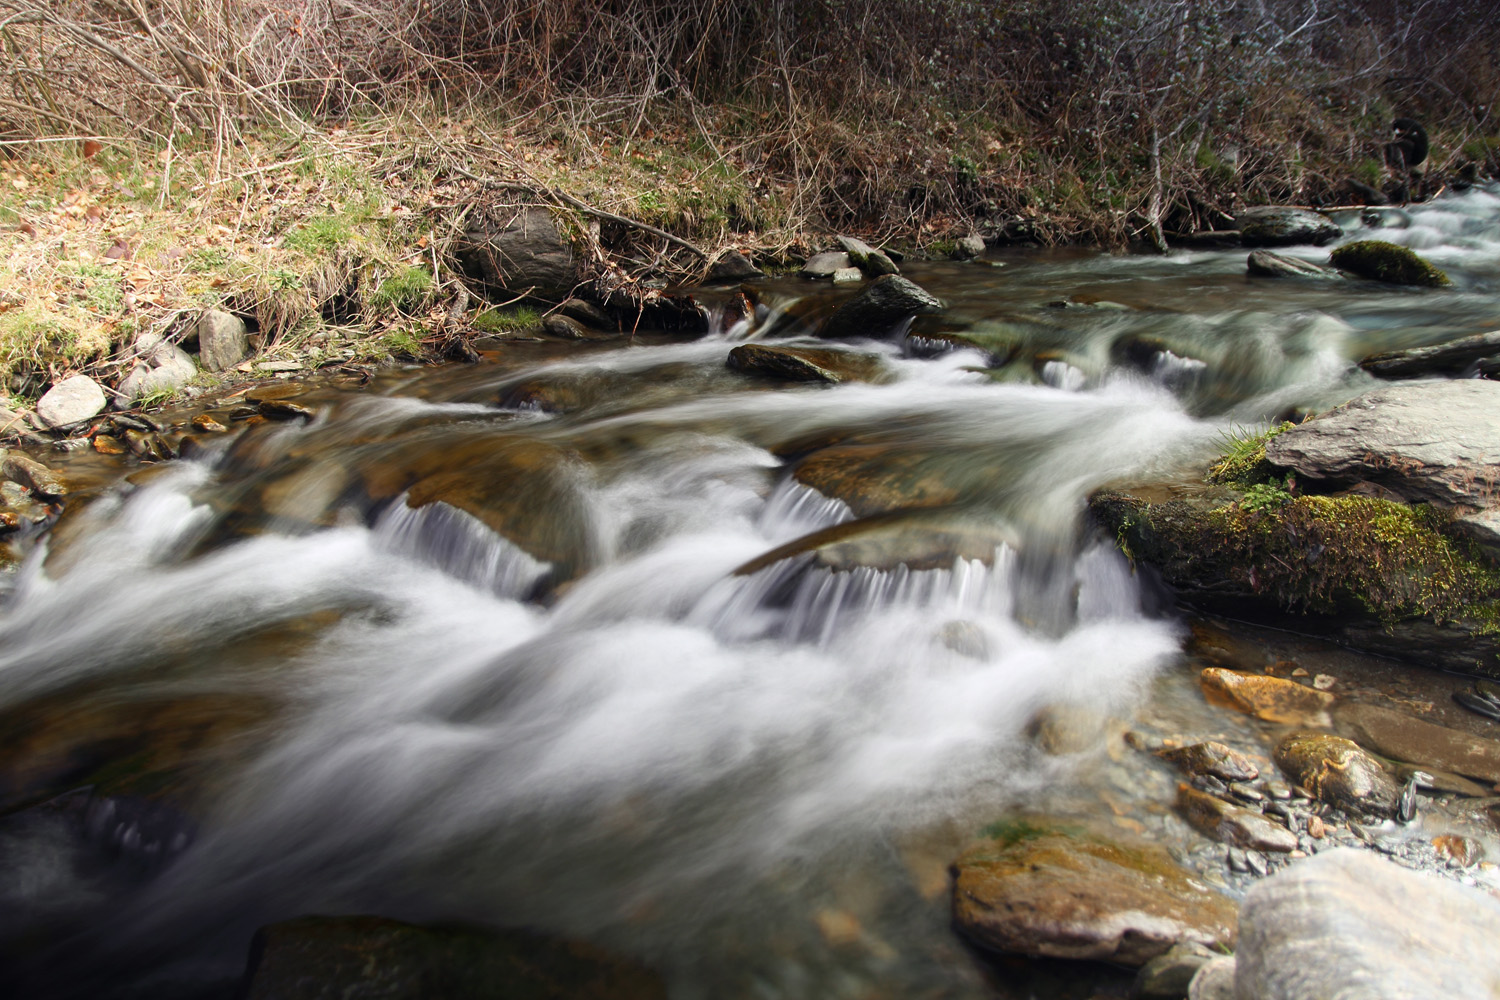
503 643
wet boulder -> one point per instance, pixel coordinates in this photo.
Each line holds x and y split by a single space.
1335 770
1416 741
916 540
880 308
1378 575
1267 264
28 472
373 958
1480 352
1278 226
1437 442
1169 976
1232 824
1051 888
1388 262
1212 759
1348 923
1273 699
70 401
805 364
588 314
874 478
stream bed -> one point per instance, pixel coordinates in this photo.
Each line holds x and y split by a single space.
617 643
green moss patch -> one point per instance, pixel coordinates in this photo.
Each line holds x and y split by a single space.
1330 554
1388 262
1244 462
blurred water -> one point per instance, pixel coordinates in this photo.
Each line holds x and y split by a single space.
551 700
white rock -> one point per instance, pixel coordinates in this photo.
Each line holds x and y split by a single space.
222 342
1350 925
71 400
845 275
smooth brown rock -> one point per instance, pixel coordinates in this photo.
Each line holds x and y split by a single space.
36 477
916 540
1416 741
1062 728
1045 888
874 478
1232 824
1270 698
1337 771
1212 758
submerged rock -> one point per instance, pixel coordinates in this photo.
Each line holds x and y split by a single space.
1437 442
1387 262
1043 887
1168 977
1213 759
372 958
1417 741
1275 226
874 478
1266 264
880 308
915 540
1337 771
805 364
1347 923
1273 699
71 401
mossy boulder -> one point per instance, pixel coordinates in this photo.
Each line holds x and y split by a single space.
1390 577
1382 261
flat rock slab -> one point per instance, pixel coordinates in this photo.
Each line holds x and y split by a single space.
1416 741
70 401
1349 925
1045 888
1437 442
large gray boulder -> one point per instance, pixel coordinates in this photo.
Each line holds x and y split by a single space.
1278 226
526 255
222 340
880 308
70 401
1437 442
1348 925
